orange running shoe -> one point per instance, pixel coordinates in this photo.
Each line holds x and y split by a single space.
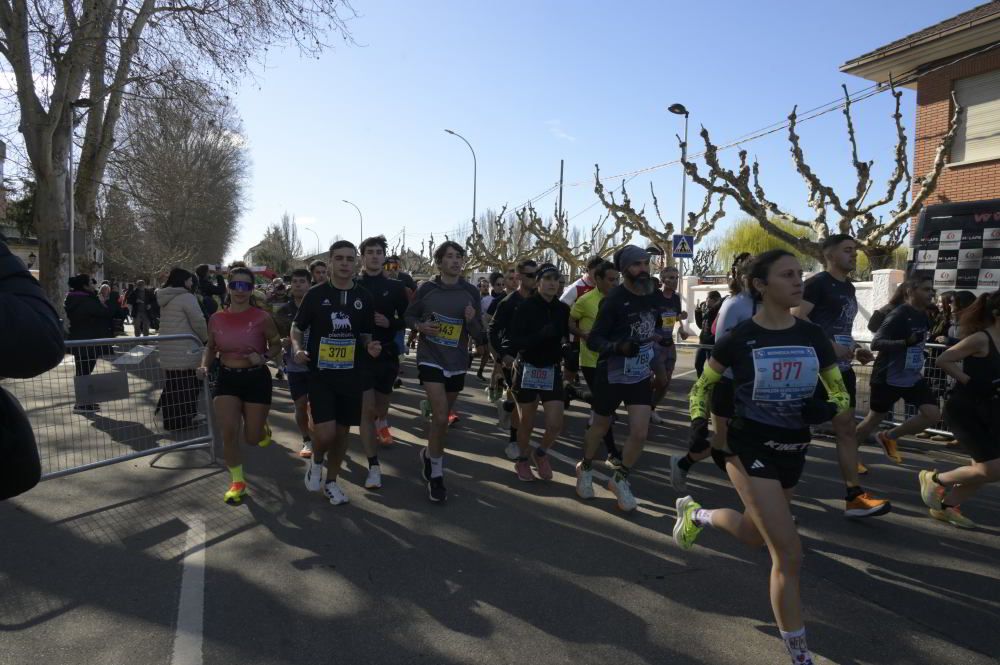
234 495
890 446
865 505
453 418
384 436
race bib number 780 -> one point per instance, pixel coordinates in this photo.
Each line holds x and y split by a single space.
784 373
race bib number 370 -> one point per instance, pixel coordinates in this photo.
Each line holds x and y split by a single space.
449 331
336 353
784 373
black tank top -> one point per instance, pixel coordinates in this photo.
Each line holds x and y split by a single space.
984 371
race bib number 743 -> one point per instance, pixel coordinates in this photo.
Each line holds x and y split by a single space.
449 331
784 373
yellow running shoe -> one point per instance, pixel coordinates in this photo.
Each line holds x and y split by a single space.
234 495
952 515
862 469
266 441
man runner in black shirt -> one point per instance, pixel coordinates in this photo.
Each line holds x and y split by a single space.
829 301
298 376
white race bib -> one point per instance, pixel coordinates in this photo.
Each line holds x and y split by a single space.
914 358
784 373
638 366
538 378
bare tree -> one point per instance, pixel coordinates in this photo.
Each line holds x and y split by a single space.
857 217
281 245
569 245
496 243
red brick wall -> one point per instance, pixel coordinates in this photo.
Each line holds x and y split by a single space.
961 183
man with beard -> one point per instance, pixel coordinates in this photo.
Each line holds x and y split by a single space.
623 336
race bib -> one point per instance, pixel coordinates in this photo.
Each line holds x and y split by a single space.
914 358
336 353
538 378
638 367
449 331
668 321
784 373
845 341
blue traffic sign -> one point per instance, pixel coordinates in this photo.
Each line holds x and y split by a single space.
683 247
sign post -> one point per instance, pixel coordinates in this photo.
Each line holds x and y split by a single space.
683 249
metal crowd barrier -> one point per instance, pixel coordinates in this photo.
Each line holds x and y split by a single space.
939 382
110 401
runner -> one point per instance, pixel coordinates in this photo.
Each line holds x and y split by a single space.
777 360
829 301
496 292
570 295
390 309
537 331
972 413
319 271
446 313
499 340
623 336
735 309
298 375
581 320
898 370
340 319
244 338
665 356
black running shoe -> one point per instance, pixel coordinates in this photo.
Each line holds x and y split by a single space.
425 465
436 490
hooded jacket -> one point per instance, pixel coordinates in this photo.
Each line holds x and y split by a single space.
446 303
180 314
27 315
538 329
88 318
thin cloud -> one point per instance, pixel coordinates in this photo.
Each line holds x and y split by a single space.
556 129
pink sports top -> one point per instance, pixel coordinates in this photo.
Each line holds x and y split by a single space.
237 334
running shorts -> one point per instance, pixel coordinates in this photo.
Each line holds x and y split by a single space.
252 385
384 371
452 384
530 395
976 425
723 399
298 384
329 402
607 397
885 396
850 382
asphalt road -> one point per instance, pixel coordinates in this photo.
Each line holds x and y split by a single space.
134 563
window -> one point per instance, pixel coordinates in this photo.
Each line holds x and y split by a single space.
978 136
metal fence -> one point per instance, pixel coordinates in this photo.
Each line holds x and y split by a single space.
110 401
939 382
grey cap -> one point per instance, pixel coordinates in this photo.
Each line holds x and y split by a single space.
628 255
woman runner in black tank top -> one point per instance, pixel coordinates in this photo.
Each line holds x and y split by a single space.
972 412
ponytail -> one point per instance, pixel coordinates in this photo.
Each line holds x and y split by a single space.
981 314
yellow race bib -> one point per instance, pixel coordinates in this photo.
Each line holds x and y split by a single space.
336 353
449 331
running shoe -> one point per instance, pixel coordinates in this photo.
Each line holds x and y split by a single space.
512 451
685 530
930 491
452 418
505 410
523 470
307 449
862 469
953 515
266 441
544 467
336 495
85 408
623 491
655 418
436 490
865 505
374 479
584 482
314 476
234 495
890 446
399 382
613 462
384 436
425 465
678 476
425 409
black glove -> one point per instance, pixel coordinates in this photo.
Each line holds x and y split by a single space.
629 348
816 411
914 339
698 439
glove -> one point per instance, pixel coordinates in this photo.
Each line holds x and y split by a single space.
914 339
816 411
629 348
698 439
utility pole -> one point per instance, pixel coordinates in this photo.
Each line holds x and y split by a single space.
561 163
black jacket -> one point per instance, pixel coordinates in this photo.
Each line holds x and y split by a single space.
704 319
152 307
206 290
31 331
88 318
499 336
537 331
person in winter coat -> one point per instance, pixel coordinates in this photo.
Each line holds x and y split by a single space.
144 309
180 313
88 319
207 291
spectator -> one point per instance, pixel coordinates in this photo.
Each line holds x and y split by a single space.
142 302
207 292
109 298
181 314
88 319
704 317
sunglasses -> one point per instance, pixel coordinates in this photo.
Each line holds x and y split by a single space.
240 285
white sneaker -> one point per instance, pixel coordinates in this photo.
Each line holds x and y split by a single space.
584 482
374 480
678 477
336 495
512 451
314 476
622 490
655 418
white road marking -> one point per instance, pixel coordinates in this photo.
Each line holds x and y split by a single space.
191 607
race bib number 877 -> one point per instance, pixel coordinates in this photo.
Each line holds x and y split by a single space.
784 373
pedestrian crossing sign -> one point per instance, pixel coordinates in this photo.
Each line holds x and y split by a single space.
683 247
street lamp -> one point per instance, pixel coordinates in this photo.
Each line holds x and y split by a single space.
318 248
473 172
359 217
679 109
82 103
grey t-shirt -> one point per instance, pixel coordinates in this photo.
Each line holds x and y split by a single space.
734 311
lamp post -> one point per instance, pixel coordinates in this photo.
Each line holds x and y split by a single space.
473 172
318 248
360 217
678 109
82 103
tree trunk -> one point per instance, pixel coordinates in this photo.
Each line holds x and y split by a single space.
879 257
53 240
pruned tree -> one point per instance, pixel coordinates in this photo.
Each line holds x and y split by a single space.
499 242
568 244
706 262
877 238
281 245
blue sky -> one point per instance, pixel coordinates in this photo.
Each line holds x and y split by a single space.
530 83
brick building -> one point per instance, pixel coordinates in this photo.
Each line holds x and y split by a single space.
960 55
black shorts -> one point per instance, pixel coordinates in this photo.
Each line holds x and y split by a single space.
723 399
383 373
607 397
976 425
850 382
251 385
298 384
763 457
330 402
531 395
452 384
572 358
884 396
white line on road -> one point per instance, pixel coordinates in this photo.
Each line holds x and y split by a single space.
690 371
191 608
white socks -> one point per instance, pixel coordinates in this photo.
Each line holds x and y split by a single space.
702 517
437 466
795 642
